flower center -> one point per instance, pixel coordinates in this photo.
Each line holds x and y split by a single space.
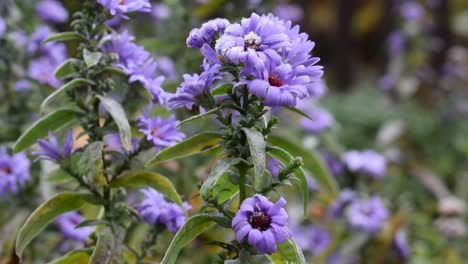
5 169
121 2
274 80
252 41
260 221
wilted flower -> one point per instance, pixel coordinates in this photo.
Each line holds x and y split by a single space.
52 11
14 171
262 223
368 215
121 7
160 132
52 150
67 224
367 161
155 210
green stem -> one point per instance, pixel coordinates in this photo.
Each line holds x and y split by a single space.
242 177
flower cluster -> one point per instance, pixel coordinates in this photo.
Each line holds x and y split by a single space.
367 161
14 171
155 210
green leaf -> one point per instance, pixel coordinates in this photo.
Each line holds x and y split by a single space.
225 189
190 146
91 58
67 68
45 214
79 256
64 36
257 152
288 252
91 163
220 167
313 163
58 175
286 158
192 228
42 126
114 70
107 246
64 88
222 90
118 114
298 111
193 118
142 179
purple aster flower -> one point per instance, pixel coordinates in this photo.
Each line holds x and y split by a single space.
121 7
321 120
289 12
400 243
368 215
52 11
338 206
161 132
166 67
411 11
194 86
42 70
22 85
114 142
51 150
206 33
333 163
2 27
14 171
155 210
396 43
311 238
67 223
160 12
367 161
20 38
39 35
262 223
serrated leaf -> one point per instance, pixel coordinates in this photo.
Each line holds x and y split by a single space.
192 228
67 68
257 152
41 127
190 146
286 158
91 163
91 58
79 256
298 111
193 118
64 36
142 179
64 88
107 247
222 89
118 114
312 163
45 214
220 167
288 252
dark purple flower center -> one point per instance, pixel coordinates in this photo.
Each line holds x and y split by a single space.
252 41
274 80
6 169
260 221
121 2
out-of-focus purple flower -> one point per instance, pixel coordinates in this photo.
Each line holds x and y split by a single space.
22 85
321 120
20 38
311 238
52 11
387 82
160 12
114 142
193 87
14 171
333 163
338 258
289 12
39 35
166 67
367 161
338 206
411 11
160 132
121 7
2 27
396 43
155 210
42 70
114 22
206 33
262 223
52 150
400 243
368 215
67 223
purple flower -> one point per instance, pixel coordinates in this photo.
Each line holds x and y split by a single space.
51 150
114 142
338 206
160 12
67 224
2 27
206 33
262 223
289 12
52 11
312 238
333 164
42 70
166 67
22 85
14 171
368 215
321 120
193 87
387 82
396 43
411 11
400 243
367 161
155 210
160 132
120 7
